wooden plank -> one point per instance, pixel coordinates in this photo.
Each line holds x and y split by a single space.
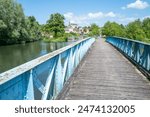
106 74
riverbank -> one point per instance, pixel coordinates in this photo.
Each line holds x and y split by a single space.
64 38
3 43
54 40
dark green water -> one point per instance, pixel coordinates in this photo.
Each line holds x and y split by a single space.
14 55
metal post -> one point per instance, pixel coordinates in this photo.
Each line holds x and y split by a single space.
30 88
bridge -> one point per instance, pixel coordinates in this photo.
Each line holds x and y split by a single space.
115 68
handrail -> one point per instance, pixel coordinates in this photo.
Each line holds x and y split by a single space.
131 40
44 77
138 52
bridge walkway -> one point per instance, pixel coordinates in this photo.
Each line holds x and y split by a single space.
106 74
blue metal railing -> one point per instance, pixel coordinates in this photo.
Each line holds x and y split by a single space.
137 51
44 77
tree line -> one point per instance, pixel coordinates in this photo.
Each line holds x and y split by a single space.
15 27
136 30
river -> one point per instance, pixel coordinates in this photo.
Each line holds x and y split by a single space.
14 55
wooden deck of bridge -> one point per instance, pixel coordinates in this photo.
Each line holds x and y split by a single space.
106 74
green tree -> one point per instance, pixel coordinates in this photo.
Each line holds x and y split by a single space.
33 28
3 28
146 28
94 30
14 26
56 24
7 18
135 31
113 29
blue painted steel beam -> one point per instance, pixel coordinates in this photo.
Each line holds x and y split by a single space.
138 51
44 77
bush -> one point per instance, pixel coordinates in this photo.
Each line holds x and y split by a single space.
58 39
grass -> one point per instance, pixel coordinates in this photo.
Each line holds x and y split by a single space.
63 38
54 40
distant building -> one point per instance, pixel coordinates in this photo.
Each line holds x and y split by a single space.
74 28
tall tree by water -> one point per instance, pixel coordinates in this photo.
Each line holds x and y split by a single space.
33 28
14 25
56 24
11 18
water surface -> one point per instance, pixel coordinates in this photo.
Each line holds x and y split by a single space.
14 55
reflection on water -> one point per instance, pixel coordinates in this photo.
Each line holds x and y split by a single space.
14 55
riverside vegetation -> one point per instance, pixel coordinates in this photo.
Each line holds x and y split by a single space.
136 30
15 27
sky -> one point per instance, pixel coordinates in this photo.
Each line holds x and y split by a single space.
86 12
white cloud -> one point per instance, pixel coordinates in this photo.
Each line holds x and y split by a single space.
101 15
138 4
145 17
88 18
95 15
125 20
99 18
71 17
110 14
68 15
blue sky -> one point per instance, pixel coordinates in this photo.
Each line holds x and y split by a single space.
85 12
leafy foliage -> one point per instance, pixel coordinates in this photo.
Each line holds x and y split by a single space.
94 30
134 30
14 25
137 30
146 28
113 29
56 24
